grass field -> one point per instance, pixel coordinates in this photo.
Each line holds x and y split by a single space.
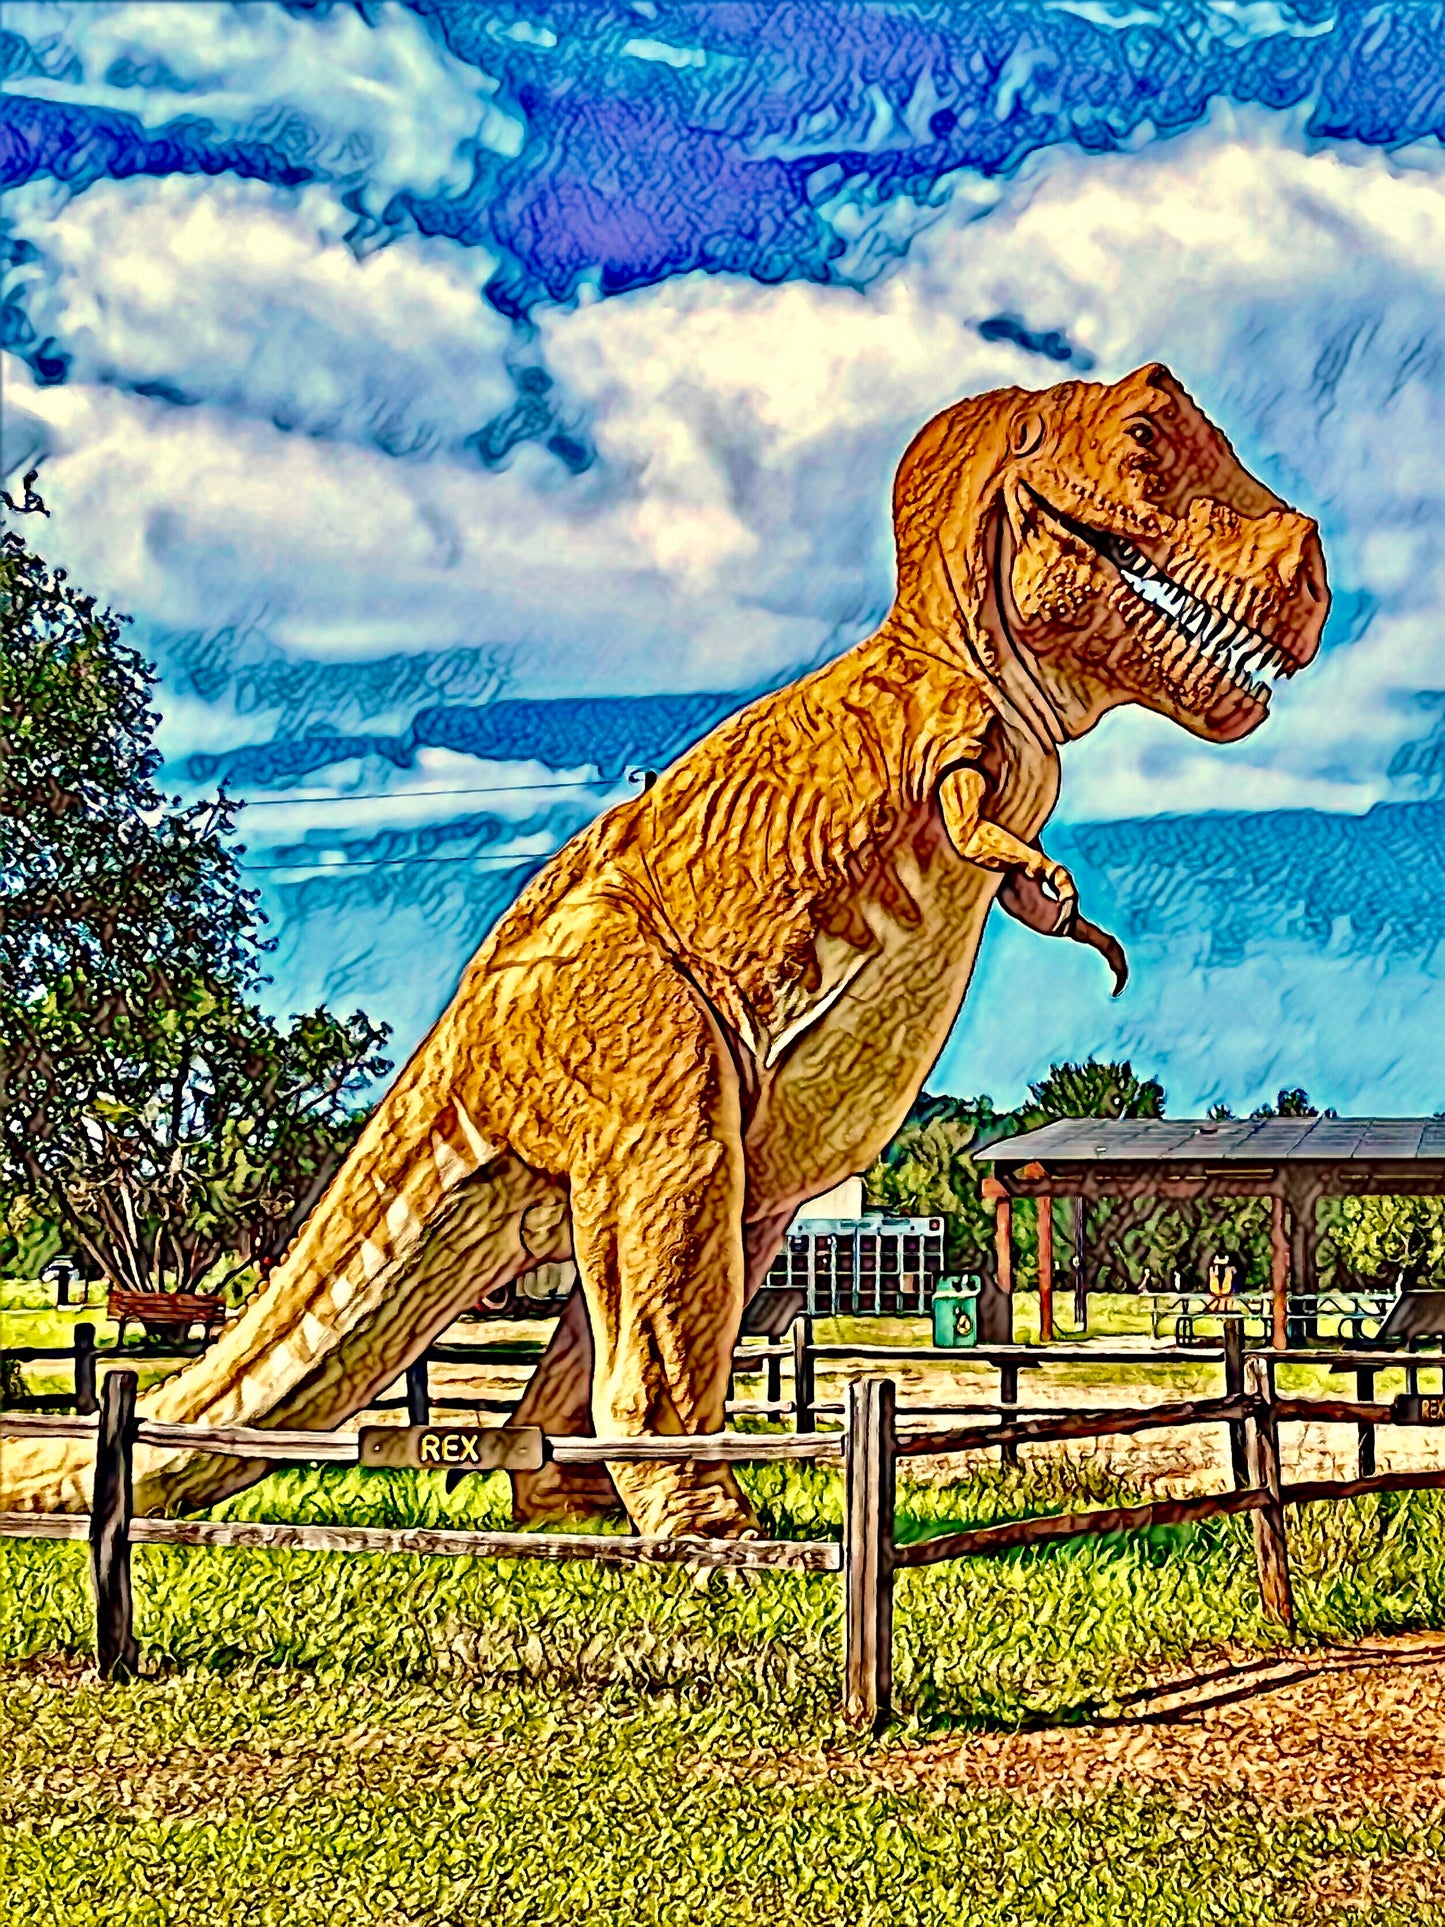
397 1742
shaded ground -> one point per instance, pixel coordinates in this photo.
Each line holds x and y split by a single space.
1346 1732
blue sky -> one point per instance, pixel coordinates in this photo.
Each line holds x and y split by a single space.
471 403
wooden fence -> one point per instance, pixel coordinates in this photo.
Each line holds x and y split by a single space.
869 1446
801 1354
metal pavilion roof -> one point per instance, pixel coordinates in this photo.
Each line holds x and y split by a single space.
1246 1141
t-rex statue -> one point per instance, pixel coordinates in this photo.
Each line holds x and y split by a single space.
722 997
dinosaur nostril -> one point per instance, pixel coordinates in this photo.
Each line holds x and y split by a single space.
1311 569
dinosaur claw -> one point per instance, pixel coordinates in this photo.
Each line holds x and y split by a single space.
1108 947
1024 898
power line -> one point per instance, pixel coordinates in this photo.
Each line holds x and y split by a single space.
648 777
405 796
372 862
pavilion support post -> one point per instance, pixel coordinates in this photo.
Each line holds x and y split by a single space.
1081 1263
1046 1270
1003 1242
1303 1266
1279 1269
996 1315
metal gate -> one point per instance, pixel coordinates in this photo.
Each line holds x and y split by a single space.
862 1267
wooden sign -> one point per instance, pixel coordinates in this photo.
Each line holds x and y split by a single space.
454 1448
1418 1408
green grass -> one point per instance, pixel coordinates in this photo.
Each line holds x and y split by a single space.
404 1742
392 1741
30 1318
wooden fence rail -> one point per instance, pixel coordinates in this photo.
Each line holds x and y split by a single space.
804 1409
869 1446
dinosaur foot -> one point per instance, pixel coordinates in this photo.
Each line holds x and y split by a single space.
685 1502
564 1494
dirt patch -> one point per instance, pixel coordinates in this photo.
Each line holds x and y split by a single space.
1347 1732
1178 1459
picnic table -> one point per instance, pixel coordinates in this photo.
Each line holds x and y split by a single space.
166 1314
1197 1317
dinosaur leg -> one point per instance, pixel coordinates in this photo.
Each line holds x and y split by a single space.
558 1397
658 1245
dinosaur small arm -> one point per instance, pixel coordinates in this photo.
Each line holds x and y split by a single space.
722 997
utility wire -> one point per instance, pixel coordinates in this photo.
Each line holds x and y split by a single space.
649 777
372 862
405 796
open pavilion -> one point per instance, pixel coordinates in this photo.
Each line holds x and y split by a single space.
1294 1161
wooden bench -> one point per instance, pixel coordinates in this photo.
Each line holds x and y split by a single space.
166 1314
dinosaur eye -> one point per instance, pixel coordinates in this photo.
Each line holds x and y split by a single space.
1143 433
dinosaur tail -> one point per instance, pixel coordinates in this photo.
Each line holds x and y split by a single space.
422 1218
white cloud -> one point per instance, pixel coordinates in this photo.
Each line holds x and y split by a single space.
246 300
736 525
761 423
384 101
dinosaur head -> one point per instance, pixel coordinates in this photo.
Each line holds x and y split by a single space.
1105 542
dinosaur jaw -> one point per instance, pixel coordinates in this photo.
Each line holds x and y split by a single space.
1207 655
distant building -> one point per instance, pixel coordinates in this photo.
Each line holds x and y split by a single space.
845 1200
846 1259
859 1263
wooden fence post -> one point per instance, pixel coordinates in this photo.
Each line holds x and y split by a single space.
1271 1547
773 1386
1008 1395
418 1392
802 1373
83 1347
110 1513
1234 1388
1365 1393
868 1554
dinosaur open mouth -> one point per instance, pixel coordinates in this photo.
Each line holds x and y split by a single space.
1222 650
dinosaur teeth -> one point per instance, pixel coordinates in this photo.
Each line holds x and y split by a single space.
1205 644
1212 646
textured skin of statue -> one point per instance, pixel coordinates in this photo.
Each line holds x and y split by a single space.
721 998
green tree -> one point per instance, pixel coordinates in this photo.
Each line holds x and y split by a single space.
1290 1103
930 1168
928 1172
148 1106
28 1239
1091 1089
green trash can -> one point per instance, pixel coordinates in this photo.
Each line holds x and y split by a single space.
955 1313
